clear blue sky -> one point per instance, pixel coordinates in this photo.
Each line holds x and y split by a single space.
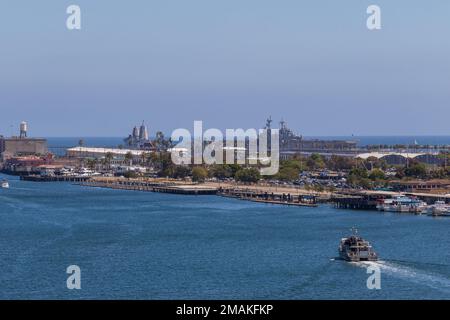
230 63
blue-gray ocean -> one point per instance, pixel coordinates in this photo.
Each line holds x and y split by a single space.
138 245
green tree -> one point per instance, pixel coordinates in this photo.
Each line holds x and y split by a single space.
129 157
162 163
365 183
108 159
92 163
220 171
161 143
377 174
360 173
144 157
130 175
418 170
247 175
359 177
288 174
181 172
294 163
315 161
339 163
199 174
166 165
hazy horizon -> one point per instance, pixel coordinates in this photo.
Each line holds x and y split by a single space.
228 63
305 136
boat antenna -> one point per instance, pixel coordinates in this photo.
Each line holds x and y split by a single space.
354 230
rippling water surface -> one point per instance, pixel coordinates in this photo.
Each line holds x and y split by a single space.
133 245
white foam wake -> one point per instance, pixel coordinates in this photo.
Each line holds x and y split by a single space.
421 277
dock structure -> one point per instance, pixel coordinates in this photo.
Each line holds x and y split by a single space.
359 199
199 189
270 198
368 199
137 185
39 178
354 202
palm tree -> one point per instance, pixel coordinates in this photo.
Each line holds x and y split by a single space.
129 158
108 158
160 142
144 157
153 160
92 163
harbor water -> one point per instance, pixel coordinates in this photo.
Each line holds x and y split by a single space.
142 245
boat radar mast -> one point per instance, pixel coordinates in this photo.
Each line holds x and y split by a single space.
269 122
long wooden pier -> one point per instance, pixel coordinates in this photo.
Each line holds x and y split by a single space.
270 198
195 189
38 178
152 187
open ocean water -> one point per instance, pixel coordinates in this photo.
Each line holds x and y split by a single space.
138 245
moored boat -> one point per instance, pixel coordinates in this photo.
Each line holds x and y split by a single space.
439 208
5 184
402 204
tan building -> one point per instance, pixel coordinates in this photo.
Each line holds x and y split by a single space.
22 145
16 146
440 186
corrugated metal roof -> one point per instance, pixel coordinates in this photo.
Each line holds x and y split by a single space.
108 150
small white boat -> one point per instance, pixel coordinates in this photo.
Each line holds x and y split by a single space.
402 204
5 184
84 172
439 208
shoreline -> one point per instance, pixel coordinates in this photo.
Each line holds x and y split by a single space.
261 192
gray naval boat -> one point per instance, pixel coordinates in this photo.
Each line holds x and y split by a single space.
355 248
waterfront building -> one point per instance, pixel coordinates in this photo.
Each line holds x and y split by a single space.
25 165
402 158
22 145
101 153
438 186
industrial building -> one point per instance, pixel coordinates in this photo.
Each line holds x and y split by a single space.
439 186
402 158
22 145
101 153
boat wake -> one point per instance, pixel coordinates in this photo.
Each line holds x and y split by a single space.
418 276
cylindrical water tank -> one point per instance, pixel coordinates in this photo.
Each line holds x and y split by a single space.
23 129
